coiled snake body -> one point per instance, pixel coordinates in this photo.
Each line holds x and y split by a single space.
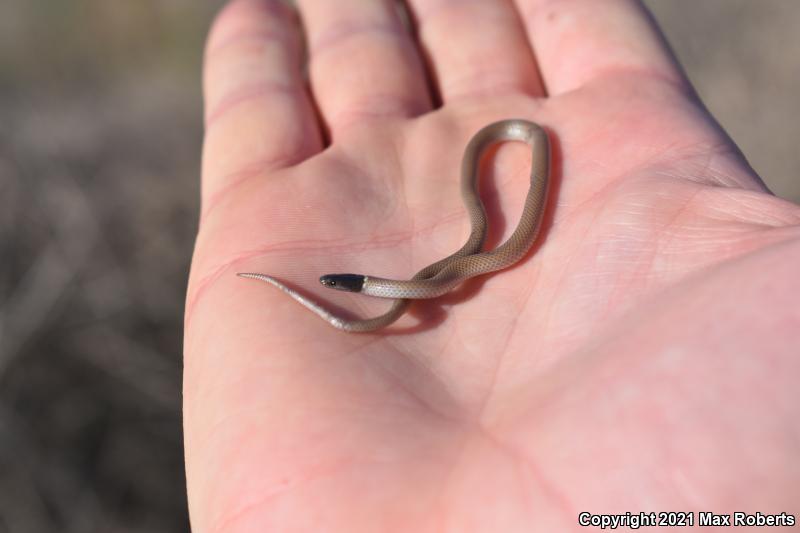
442 276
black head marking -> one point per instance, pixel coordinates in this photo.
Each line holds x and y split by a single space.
343 282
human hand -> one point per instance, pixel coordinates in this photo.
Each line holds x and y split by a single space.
642 358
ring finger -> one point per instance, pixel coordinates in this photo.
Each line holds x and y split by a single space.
363 62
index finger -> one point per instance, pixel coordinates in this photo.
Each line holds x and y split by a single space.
579 41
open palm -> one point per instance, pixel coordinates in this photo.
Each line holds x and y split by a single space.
641 358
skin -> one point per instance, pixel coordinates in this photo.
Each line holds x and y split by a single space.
643 357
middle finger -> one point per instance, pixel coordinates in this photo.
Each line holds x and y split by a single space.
476 48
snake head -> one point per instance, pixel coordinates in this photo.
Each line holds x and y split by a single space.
343 282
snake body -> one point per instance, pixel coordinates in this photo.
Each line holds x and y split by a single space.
469 261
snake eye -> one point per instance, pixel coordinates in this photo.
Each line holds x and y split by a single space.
343 282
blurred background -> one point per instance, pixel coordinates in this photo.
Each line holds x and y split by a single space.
100 135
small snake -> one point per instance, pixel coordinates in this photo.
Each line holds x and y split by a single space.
442 276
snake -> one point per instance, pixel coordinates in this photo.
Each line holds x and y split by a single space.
470 260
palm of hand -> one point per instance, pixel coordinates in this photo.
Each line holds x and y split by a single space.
555 387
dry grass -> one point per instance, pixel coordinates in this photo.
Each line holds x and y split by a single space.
100 133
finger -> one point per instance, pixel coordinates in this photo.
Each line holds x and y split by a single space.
577 41
363 61
258 114
476 47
